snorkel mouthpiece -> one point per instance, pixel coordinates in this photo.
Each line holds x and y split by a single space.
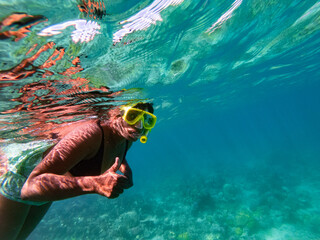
144 138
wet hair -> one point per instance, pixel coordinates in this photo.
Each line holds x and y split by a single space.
144 106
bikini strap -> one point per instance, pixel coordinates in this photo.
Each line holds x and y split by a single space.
101 150
125 153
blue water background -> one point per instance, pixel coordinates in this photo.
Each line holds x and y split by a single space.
280 129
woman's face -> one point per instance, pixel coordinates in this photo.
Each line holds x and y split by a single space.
134 132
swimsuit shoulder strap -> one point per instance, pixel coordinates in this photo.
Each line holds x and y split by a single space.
125 151
101 149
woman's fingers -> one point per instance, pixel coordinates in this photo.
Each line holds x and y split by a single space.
125 169
127 172
114 183
115 167
115 192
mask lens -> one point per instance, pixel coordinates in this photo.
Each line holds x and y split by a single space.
149 121
133 116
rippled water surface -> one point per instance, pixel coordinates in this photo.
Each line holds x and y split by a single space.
235 85
181 54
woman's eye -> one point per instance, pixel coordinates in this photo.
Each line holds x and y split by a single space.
131 116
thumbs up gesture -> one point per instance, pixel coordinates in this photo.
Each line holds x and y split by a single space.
111 184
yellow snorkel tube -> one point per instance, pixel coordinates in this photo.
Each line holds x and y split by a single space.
143 139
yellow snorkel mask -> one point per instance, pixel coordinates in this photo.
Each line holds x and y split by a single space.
133 115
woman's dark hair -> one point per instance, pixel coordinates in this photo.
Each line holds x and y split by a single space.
143 106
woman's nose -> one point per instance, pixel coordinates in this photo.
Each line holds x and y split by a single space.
139 124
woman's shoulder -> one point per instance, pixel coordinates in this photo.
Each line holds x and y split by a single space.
84 139
86 129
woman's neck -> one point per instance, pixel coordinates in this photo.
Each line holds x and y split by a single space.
114 130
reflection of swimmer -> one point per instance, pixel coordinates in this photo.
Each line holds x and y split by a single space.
43 100
17 25
26 67
93 9
41 104
85 160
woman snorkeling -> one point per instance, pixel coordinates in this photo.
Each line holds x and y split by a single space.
84 159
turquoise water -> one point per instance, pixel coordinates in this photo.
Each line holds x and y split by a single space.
235 84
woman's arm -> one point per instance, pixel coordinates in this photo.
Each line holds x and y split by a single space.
49 181
51 187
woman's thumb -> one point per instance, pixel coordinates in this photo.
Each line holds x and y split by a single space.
115 166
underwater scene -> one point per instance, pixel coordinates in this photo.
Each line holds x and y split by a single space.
235 84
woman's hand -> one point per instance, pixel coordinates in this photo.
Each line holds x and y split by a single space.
111 184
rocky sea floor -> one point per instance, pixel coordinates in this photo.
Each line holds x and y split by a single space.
250 203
